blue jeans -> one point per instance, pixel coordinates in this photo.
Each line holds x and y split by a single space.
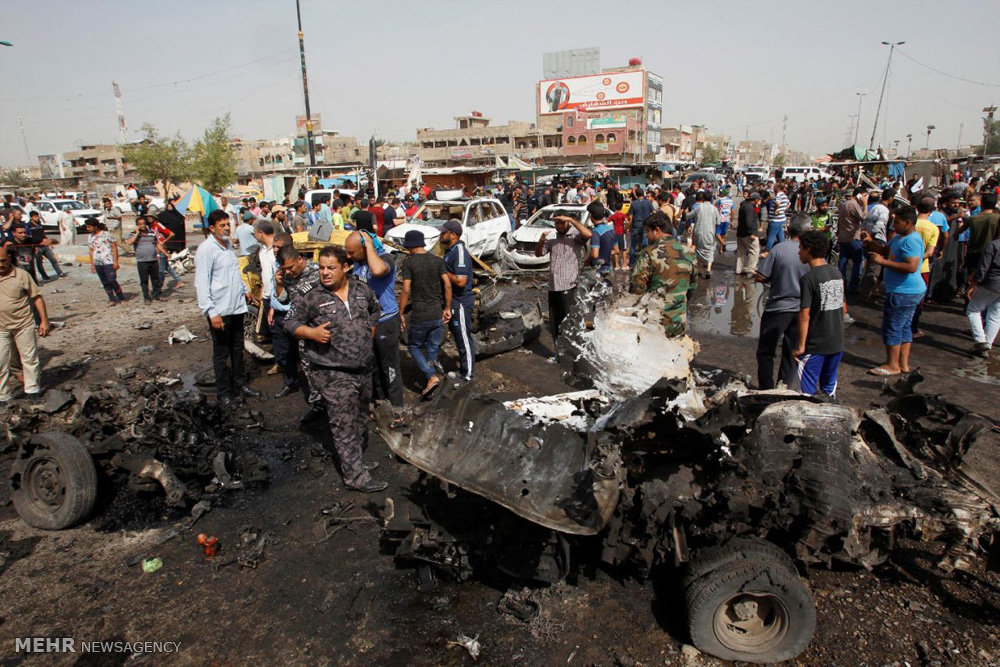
637 242
109 280
851 252
775 233
897 317
165 268
423 341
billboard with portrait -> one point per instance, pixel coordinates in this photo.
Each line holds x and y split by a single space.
617 90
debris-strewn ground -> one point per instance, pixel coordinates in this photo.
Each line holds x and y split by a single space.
316 598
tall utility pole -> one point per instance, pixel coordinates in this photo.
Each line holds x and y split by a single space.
27 153
857 127
958 145
881 95
305 90
928 144
784 124
909 141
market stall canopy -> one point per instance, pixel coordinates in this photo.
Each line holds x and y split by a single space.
856 153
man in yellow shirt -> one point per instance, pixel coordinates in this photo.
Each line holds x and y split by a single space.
929 233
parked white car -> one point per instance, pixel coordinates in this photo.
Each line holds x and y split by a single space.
49 210
520 251
485 224
804 173
326 195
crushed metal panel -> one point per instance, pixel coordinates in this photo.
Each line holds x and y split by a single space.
540 471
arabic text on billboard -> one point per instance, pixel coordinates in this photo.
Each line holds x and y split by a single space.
606 123
598 91
461 153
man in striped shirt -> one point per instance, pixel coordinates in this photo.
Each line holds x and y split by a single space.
776 222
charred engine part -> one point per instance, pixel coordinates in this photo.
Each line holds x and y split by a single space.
507 330
149 468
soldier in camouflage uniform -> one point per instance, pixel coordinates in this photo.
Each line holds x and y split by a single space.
298 277
337 322
667 267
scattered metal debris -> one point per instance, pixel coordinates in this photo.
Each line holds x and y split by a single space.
181 335
470 644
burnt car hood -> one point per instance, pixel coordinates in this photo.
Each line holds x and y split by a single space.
540 470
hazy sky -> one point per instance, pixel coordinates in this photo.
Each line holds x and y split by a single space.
390 67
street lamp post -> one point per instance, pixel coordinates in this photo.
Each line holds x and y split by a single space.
928 143
885 78
857 125
909 141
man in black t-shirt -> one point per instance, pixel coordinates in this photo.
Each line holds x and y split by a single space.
364 219
821 317
427 290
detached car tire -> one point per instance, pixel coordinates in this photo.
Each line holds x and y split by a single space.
751 610
53 481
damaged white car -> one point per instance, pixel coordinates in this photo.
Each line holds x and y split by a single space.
518 249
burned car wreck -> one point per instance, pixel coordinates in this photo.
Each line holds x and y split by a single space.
654 464
154 440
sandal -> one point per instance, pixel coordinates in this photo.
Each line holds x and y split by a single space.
882 372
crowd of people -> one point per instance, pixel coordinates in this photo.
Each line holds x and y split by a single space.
337 324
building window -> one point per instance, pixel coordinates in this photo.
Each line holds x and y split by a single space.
599 138
612 138
582 139
569 121
571 141
548 143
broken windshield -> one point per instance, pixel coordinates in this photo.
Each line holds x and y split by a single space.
436 214
546 217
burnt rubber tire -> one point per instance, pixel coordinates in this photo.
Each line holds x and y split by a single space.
739 548
748 610
53 481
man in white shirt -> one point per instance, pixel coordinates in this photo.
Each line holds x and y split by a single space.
234 217
265 252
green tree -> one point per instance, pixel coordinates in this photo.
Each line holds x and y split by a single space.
156 158
214 160
779 160
710 155
13 178
993 137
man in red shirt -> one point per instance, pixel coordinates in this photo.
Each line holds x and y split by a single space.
618 220
379 213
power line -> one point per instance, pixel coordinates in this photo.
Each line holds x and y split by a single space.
274 57
952 76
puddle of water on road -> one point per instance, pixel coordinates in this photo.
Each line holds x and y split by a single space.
986 371
730 305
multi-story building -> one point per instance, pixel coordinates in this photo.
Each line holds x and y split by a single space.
632 92
475 142
330 147
96 162
602 137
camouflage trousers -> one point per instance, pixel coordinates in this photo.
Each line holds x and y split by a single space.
347 396
311 393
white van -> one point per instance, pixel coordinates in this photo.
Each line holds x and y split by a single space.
327 195
802 174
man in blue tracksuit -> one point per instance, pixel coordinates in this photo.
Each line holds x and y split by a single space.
458 264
